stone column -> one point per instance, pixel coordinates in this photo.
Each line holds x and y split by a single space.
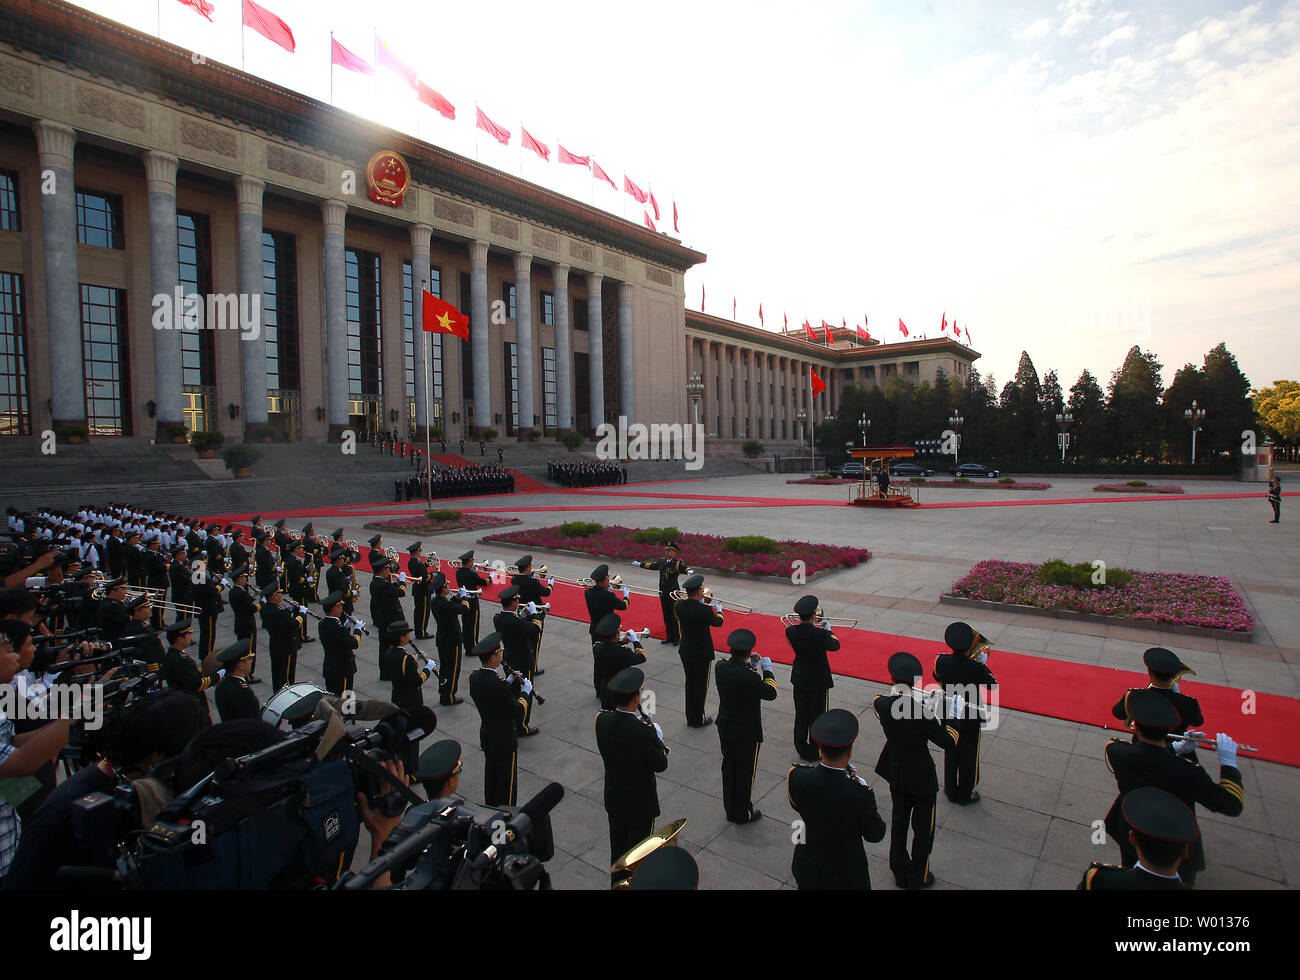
252 343
336 320
626 353
563 350
164 277
55 144
420 235
596 346
524 337
727 423
479 340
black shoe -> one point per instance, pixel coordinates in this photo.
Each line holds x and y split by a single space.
973 798
665 641
255 680
704 724
929 880
453 701
900 881
753 815
309 639
529 731
538 673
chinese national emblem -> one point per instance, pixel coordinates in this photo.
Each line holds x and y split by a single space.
389 178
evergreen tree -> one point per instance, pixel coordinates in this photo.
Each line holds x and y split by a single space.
1133 406
1088 406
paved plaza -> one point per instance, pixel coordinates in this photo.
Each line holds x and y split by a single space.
1043 780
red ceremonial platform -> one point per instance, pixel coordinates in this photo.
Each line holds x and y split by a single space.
867 493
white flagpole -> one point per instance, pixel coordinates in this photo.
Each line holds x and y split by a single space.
428 484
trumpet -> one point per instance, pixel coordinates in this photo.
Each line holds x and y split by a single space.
158 599
537 610
643 632
708 599
819 619
538 571
921 695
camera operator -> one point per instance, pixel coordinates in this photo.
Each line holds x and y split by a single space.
150 734
17 579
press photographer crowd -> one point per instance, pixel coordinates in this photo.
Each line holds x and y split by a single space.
115 773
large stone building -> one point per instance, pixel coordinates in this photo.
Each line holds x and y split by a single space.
132 178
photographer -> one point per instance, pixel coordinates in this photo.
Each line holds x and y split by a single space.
151 731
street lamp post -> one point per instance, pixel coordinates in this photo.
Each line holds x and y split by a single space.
695 391
1195 416
956 421
865 423
801 416
1063 419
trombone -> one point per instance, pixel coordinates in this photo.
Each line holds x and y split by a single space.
158 599
709 600
819 619
538 571
616 584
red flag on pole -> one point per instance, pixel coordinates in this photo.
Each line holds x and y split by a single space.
701 297
944 326
385 58
635 191
955 331
818 385
566 157
733 307
807 328
439 316
268 25
864 335
760 315
845 321
596 169
541 149
786 317
200 6
344 58
902 326
502 136
434 101
654 204
827 327
675 215
648 223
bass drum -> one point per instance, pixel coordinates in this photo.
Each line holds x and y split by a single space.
294 700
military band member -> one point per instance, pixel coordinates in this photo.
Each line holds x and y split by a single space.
207 597
964 670
1164 670
386 596
338 577
234 695
339 645
376 554
1147 762
602 600
282 542
406 670
115 552
296 572
612 656
695 619
282 622
745 681
179 669
535 590
155 576
468 579
237 552
141 634
112 616
447 609
215 551
669 869
910 724
810 675
134 560
519 638
632 748
501 705
265 561
1162 830
418 571
181 579
245 603
670 567
439 769
315 553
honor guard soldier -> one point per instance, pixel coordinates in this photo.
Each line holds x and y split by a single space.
669 869
155 576
632 747
810 675
471 584
282 541
181 578
964 670
447 609
245 604
670 567
315 559
179 670
613 656
338 577
501 705
234 695
339 645
207 597
296 572
376 554
1148 762
439 769
386 597
134 560
282 622
148 647
602 600
237 551
418 572
265 561
534 590
1163 829
406 670
519 638
744 683
837 810
910 723
112 616
1164 670
695 618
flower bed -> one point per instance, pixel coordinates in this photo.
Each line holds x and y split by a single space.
699 550
419 524
921 481
1173 598
1139 488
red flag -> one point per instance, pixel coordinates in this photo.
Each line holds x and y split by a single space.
701 297
654 204
385 58
439 316
818 385
955 331
760 315
944 326
502 136
596 169
675 215
648 223
200 6
268 25
344 58
541 149
845 322
434 101
733 307
635 191
864 335
807 328
567 157
902 326
827 327
786 318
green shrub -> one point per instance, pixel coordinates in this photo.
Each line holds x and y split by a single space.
174 431
918 479
752 447
489 434
1137 483
240 456
72 431
204 440
1080 576
442 515
572 439
266 432
962 479
750 544
580 529
1006 479
656 535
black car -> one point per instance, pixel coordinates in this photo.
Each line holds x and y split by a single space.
910 469
851 470
975 469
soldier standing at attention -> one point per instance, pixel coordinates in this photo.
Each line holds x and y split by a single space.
745 681
810 674
234 695
501 706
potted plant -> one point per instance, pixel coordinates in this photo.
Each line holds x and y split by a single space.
176 433
572 440
266 433
73 433
436 433
490 435
240 458
206 443
752 448
529 434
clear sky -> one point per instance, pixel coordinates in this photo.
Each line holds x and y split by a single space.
1068 177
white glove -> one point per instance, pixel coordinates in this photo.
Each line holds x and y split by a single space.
627 592
302 609
982 657
658 731
221 673
958 706
463 593
1185 746
1174 687
637 564
550 582
1226 749
631 635
532 608
402 578
431 665
717 608
766 663
528 686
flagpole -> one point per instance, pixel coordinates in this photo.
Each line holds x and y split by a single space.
812 426
160 20
331 68
424 358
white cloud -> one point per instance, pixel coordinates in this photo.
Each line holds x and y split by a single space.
1039 28
1125 33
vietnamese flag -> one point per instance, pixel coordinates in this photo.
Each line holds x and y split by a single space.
200 6
599 172
541 149
439 316
502 136
434 101
635 191
902 326
818 385
268 25
341 56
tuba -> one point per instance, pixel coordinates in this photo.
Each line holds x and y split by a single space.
979 646
625 867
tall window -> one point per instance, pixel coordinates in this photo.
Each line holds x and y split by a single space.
365 374
579 320
547 306
435 281
198 374
433 342
99 219
550 413
9 217
467 353
103 335
15 408
512 359
582 391
508 296
280 309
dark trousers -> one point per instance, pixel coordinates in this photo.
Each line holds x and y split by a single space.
284 664
338 684
421 622
809 705
697 689
670 618
624 834
961 766
1277 510
156 617
469 625
499 782
252 648
207 635
739 764
448 671
919 812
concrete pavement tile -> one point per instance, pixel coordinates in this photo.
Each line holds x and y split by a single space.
971 862
1245 850
999 823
